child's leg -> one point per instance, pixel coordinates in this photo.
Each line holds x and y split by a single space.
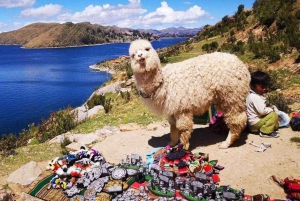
267 124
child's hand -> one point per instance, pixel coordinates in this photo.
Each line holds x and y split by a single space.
274 108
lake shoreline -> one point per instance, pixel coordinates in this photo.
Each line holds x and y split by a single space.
60 76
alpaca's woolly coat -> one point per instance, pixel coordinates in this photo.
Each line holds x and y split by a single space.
196 83
191 86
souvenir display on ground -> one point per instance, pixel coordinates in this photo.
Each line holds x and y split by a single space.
167 174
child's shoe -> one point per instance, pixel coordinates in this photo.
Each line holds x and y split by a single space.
275 134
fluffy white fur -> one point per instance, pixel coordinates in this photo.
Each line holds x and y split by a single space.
181 90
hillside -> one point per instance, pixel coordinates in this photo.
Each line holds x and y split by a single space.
266 37
173 32
269 32
44 35
41 35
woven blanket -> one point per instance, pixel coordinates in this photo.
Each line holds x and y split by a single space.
39 189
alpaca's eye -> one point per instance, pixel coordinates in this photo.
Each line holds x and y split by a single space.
132 56
147 49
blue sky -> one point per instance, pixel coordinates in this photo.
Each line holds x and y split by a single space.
146 14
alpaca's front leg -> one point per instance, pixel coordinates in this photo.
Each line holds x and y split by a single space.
184 123
174 132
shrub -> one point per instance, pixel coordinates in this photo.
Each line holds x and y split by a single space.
107 105
297 15
8 144
65 142
279 101
100 100
240 9
273 56
210 47
34 141
295 139
129 72
275 82
58 123
125 96
25 135
96 100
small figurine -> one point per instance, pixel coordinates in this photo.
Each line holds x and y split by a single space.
54 182
65 185
127 160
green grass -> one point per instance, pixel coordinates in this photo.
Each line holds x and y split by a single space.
295 139
36 152
288 78
121 113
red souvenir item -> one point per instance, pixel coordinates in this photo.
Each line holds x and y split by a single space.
292 187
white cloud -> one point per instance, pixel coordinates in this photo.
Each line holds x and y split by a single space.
106 14
16 3
166 15
2 27
132 15
46 11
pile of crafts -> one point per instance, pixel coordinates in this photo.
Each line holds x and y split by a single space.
168 174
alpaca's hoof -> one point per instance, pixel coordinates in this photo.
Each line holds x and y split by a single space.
224 145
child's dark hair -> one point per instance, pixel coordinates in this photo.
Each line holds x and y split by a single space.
259 77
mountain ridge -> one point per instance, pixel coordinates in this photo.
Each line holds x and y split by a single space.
50 35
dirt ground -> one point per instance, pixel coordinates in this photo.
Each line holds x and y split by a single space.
245 168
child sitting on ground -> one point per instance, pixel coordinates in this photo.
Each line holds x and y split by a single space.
261 118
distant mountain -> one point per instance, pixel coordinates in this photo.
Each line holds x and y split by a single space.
42 35
173 32
46 35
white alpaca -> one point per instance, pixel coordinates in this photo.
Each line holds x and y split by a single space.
181 90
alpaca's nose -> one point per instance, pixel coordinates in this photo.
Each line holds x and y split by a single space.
139 53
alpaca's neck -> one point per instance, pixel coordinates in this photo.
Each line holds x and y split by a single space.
149 82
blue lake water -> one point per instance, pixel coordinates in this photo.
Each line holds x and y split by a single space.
34 82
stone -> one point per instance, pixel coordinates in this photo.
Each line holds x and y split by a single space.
113 88
27 197
82 113
26 174
74 146
129 82
125 90
92 112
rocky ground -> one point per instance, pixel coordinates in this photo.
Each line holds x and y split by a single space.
244 166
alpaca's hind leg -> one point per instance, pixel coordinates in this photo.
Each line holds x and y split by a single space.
236 123
184 123
174 132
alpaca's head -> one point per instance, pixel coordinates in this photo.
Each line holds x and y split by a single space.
143 56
